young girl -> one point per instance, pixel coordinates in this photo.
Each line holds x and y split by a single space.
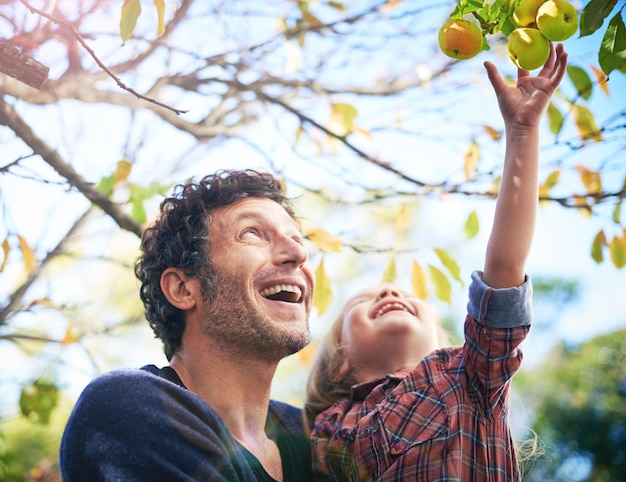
386 400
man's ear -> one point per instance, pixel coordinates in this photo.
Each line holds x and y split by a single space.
180 289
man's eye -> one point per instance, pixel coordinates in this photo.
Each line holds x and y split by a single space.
251 232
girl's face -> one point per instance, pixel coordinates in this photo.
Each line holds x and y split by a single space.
386 329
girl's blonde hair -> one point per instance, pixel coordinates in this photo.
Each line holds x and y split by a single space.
328 380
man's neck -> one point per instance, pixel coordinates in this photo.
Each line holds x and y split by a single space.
238 389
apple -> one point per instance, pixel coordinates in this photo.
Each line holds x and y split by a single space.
557 20
460 39
528 48
525 14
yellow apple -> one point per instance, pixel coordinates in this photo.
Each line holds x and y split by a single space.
525 13
528 48
557 20
460 39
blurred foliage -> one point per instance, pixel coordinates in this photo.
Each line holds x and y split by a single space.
578 397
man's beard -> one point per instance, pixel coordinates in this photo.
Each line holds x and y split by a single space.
230 319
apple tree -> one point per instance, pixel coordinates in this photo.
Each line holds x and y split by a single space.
104 106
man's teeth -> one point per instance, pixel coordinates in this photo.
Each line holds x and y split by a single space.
390 307
273 290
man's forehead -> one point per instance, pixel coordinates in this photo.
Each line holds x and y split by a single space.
253 208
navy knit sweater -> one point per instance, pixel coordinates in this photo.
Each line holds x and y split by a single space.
144 425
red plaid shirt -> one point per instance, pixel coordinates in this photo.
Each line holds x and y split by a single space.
444 420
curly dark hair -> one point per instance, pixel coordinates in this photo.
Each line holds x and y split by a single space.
180 238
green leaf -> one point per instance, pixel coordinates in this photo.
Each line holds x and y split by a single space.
323 295
131 9
581 81
38 400
555 119
616 213
451 265
613 47
443 289
593 15
471 225
390 274
618 252
597 246
106 185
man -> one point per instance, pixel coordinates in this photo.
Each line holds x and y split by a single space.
228 288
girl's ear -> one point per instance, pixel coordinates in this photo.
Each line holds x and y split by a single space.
181 290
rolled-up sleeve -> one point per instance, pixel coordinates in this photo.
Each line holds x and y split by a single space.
502 307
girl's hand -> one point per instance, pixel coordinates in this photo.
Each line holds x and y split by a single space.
524 105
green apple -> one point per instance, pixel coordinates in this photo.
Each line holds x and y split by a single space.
460 39
557 20
528 48
525 14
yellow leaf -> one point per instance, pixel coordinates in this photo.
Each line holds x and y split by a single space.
324 240
391 4
471 157
590 179
30 263
390 274
342 118
602 79
71 336
6 248
323 295
588 130
403 220
419 282
46 302
493 133
549 183
443 289
471 225
122 170
131 9
160 6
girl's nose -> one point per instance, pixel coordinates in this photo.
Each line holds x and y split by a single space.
388 290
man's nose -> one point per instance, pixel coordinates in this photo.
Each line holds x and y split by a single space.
291 250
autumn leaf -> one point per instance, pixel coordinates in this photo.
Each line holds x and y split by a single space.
551 180
342 118
403 220
471 156
602 79
160 6
323 295
28 255
6 248
419 281
390 274
131 9
493 133
451 265
590 179
588 130
122 171
443 289
324 240
471 226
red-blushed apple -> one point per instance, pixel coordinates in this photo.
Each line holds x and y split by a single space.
460 39
528 48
